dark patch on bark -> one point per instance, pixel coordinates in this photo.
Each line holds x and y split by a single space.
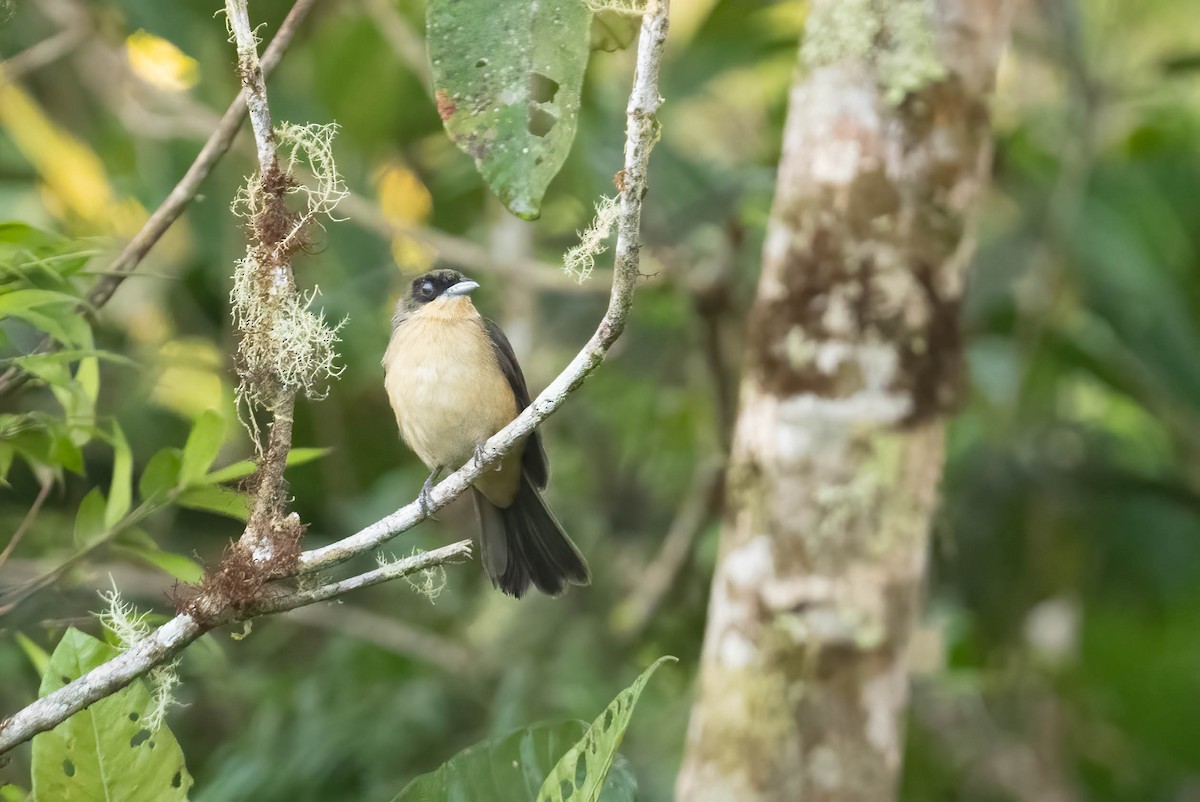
806 275
931 357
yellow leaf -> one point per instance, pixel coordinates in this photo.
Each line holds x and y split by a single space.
160 63
411 255
75 181
403 199
190 378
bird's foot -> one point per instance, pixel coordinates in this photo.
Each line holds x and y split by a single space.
480 456
426 490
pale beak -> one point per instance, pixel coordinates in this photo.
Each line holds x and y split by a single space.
461 288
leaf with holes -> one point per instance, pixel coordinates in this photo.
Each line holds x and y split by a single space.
507 79
579 775
510 767
104 752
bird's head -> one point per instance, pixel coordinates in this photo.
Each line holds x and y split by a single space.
439 293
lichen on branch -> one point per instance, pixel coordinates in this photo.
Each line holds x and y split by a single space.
284 347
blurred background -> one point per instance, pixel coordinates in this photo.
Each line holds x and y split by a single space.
1059 658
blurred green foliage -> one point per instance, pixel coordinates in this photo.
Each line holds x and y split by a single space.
1061 631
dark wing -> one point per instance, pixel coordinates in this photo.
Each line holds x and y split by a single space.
533 461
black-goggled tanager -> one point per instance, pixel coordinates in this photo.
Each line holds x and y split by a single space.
453 381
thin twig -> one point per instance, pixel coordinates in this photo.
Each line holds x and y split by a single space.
173 205
386 632
28 520
454 553
166 642
699 508
42 54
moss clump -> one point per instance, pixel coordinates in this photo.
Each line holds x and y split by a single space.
895 36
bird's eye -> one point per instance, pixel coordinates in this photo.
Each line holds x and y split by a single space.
427 289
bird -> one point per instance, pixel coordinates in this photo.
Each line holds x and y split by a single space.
453 381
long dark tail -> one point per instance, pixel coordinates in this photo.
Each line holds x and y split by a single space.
524 543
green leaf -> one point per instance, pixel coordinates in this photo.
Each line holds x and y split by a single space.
242 468
137 543
185 569
507 78
104 752
88 376
89 520
597 748
64 452
20 300
509 767
216 499
8 452
70 356
46 323
14 793
161 475
202 447
120 492
36 654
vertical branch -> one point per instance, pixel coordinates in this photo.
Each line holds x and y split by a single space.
268 258
852 364
253 83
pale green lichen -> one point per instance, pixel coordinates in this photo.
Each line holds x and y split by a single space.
428 582
896 36
128 626
841 30
911 61
637 7
580 260
284 346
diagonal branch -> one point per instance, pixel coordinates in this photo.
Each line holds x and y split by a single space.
180 196
166 642
640 136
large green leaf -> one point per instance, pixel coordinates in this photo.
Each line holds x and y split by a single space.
137 543
160 476
597 748
216 499
510 768
104 753
202 447
31 299
507 77
89 519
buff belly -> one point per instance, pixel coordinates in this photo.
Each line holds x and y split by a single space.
450 396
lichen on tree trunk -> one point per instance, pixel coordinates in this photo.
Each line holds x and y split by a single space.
852 362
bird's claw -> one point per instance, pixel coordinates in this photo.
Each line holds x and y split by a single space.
423 498
480 455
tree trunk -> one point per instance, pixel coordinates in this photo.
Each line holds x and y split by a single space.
852 362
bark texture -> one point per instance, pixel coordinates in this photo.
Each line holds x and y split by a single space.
852 362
